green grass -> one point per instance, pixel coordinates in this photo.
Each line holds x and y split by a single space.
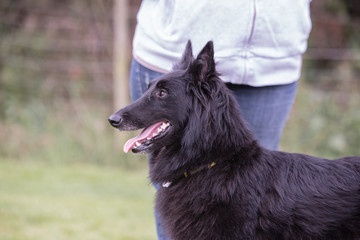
75 201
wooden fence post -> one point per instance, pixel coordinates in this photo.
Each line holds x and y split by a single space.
120 62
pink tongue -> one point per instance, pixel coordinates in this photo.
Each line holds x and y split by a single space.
147 133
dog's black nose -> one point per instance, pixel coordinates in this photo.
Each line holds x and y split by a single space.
115 120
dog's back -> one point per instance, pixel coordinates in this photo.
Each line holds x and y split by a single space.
312 197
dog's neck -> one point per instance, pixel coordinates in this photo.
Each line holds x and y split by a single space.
187 174
166 166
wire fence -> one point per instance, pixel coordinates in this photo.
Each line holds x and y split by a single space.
55 43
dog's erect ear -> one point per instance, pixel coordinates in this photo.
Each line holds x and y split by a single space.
204 64
186 59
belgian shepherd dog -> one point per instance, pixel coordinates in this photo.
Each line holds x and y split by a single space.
216 181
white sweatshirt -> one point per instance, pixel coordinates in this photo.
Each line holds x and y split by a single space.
257 42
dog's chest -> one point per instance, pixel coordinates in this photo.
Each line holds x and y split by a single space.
195 207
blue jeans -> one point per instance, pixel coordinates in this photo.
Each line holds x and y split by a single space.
265 109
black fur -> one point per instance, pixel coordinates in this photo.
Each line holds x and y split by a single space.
251 192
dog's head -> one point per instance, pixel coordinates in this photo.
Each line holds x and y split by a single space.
159 111
188 107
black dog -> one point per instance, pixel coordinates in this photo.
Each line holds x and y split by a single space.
217 182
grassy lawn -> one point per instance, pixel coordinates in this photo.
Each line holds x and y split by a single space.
78 201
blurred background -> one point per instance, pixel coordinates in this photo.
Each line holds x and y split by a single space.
62 172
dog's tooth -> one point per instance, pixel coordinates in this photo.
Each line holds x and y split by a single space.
155 134
148 138
137 144
163 126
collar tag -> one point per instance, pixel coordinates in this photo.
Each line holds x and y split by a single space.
166 184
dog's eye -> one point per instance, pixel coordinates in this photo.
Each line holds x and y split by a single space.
162 93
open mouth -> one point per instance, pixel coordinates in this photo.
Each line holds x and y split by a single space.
146 138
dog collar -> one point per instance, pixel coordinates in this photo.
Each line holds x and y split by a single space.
187 174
